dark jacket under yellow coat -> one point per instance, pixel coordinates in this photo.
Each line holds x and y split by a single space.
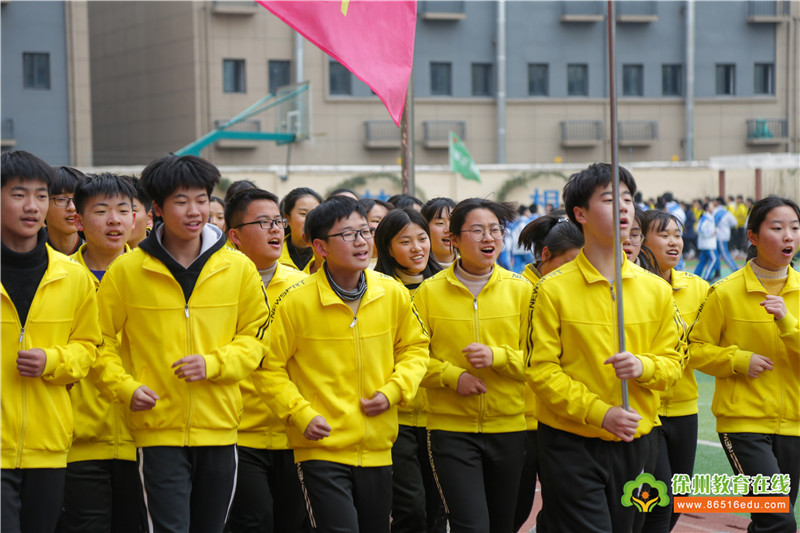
497 318
36 412
323 359
224 321
101 428
689 292
259 427
575 330
730 328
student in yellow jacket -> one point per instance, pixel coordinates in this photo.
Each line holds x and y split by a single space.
554 241
295 206
49 334
403 244
477 316
589 446
747 335
336 382
183 321
677 435
102 491
268 494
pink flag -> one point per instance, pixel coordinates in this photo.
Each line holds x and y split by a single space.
373 39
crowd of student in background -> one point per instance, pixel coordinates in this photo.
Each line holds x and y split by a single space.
256 364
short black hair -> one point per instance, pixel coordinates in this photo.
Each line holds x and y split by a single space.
66 179
238 186
140 195
322 218
581 186
434 207
169 173
369 203
389 227
25 166
238 204
504 212
343 190
291 198
104 184
404 200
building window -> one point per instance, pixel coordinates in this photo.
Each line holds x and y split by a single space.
340 79
36 70
726 79
482 79
441 79
280 74
632 80
764 78
578 80
233 76
538 79
671 80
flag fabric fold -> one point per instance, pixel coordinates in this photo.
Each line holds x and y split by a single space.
461 161
373 39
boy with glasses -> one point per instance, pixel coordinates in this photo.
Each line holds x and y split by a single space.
345 349
268 494
62 234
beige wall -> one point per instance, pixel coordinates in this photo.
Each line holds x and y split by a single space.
79 82
143 76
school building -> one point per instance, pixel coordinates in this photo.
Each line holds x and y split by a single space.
120 83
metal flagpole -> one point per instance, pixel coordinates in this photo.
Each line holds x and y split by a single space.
618 256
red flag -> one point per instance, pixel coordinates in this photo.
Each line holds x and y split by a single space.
373 39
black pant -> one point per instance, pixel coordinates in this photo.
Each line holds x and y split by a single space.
31 499
583 479
187 489
347 499
757 453
268 494
416 504
677 447
479 477
101 496
527 482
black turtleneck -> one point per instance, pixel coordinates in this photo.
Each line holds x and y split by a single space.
21 274
300 256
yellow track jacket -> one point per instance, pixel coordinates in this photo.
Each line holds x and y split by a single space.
259 427
730 327
36 412
575 330
415 412
531 274
322 360
689 292
101 430
497 318
224 321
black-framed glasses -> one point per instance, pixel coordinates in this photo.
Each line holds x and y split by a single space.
62 201
351 235
477 233
267 223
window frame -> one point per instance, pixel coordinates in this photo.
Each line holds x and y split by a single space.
770 79
449 88
585 68
238 83
32 71
272 87
677 73
729 73
487 75
545 81
343 75
638 89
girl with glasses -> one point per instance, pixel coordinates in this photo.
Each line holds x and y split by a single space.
476 314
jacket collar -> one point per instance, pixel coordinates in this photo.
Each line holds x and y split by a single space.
328 297
678 280
450 275
752 284
590 273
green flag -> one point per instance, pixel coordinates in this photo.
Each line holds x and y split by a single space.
461 161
